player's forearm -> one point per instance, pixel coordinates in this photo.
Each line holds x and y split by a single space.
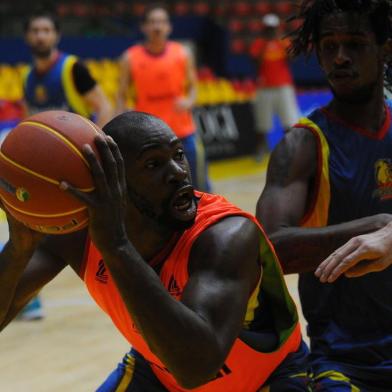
12 265
178 336
192 94
303 249
121 102
104 114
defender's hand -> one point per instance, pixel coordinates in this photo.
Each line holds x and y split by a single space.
359 256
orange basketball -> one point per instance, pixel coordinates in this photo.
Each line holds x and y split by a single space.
35 157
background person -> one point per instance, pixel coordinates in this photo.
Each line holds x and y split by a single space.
163 77
275 94
57 81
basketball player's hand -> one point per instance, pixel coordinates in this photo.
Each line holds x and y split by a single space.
183 104
107 204
23 239
359 256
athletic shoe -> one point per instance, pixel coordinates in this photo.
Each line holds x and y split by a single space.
32 311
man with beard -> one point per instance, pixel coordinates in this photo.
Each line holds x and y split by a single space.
328 181
57 81
189 279
162 75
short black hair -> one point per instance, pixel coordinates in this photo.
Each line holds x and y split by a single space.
128 127
152 7
310 12
41 13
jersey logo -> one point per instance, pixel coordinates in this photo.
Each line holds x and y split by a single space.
40 94
225 371
173 287
101 275
383 174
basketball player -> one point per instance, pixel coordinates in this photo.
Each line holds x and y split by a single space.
163 77
57 80
189 279
328 181
276 92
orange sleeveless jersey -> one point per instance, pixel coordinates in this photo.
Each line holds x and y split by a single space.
159 80
245 369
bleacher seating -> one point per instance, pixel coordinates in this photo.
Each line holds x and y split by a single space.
239 19
211 90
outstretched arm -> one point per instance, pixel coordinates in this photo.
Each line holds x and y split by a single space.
25 267
188 101
359 256
100 104
286 198
123 83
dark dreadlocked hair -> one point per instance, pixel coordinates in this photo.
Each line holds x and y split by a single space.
310 12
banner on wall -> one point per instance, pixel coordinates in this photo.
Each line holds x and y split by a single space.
229 130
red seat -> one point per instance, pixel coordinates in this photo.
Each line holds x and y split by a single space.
220 10
181 8
284 8
201 8
80 9
236 25
63 9
242 8
205 73
255 26
263 7
238 46
138 9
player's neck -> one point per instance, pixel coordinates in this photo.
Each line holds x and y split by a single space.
43 64
146 236
369 115
155 47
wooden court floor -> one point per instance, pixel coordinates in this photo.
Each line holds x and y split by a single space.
75 347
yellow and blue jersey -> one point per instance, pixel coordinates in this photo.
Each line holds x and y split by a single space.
54 89
350 319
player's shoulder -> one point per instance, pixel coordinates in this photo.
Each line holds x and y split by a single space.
230 246
232 233
296 156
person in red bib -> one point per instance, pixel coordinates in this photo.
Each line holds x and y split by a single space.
275 94
162 76
190 280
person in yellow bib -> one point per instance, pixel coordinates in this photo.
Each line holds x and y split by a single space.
57 81
163 77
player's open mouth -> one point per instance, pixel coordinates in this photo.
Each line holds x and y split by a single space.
183 203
